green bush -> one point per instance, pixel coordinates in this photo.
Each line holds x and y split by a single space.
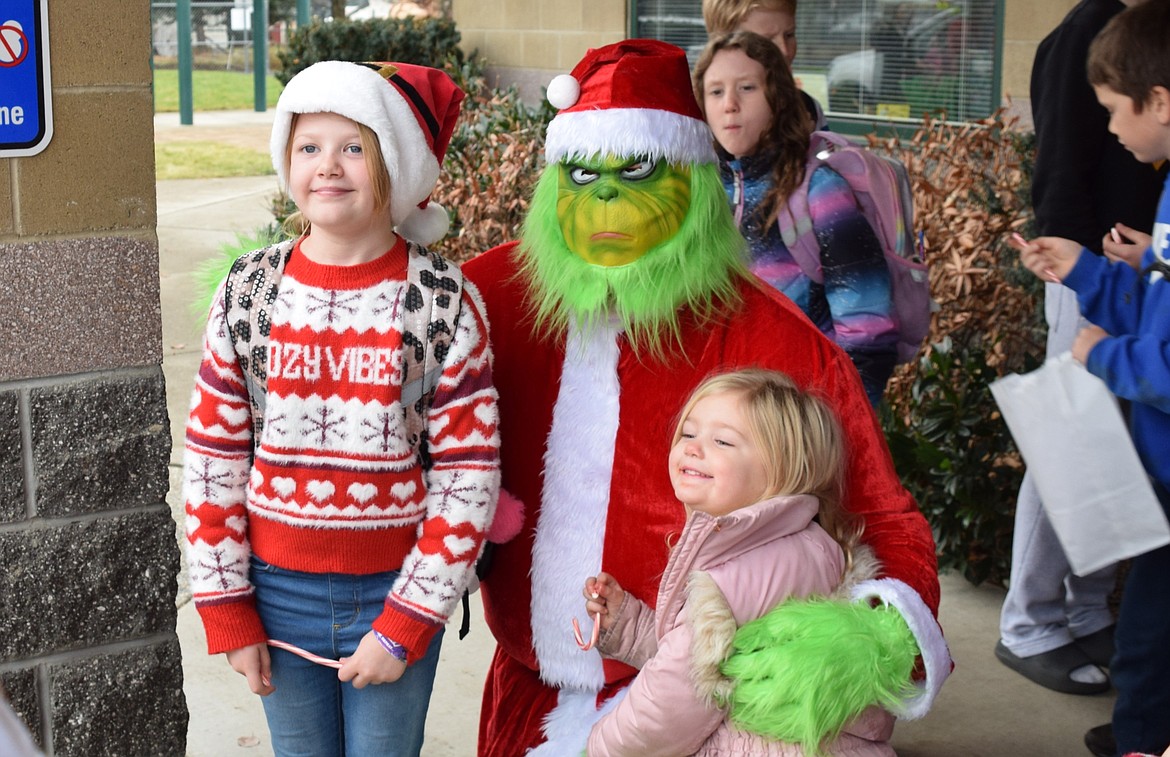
426 42
958 459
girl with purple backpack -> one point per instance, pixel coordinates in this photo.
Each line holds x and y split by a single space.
766 144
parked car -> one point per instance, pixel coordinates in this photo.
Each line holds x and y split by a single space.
920 57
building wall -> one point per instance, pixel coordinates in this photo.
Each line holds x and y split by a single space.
527 42
88 651
1025 24
530 41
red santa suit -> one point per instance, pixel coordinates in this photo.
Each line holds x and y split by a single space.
586 428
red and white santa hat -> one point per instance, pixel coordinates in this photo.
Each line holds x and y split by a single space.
412 109
632 98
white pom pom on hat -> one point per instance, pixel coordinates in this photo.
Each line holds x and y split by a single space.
412 110
563 91
429 222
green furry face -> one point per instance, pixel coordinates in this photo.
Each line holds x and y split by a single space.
613 210
695 268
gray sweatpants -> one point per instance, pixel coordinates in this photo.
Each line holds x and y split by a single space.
1046 605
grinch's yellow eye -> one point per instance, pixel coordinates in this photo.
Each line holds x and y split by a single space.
582 176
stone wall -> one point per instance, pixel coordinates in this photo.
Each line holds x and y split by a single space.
88 651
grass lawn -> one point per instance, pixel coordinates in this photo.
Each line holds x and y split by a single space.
208 160
212 90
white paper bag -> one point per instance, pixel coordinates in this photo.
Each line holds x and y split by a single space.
1097 495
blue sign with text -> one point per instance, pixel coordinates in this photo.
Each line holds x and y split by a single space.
26 108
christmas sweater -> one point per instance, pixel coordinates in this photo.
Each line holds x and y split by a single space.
335 486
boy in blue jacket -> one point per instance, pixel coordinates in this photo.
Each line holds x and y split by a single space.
1128 347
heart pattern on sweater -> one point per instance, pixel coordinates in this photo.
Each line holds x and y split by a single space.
403 491
320 490
362 493
284 486
235 416
458 545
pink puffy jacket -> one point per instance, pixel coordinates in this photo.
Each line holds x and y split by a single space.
724 572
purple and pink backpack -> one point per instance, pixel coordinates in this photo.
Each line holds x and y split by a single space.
882 187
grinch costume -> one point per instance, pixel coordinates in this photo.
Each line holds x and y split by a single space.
626 290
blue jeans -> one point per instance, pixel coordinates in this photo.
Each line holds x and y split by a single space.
1141 663
312 713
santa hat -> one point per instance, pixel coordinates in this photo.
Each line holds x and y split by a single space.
412 110
633 98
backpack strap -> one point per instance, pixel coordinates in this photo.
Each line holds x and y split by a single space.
434 293
249 294
795 221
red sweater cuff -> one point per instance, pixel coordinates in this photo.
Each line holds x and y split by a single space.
413 634
231 625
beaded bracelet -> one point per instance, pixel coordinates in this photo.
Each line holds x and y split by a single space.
395 650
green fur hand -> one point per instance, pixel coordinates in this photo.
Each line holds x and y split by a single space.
808 667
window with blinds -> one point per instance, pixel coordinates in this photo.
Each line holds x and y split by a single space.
885 59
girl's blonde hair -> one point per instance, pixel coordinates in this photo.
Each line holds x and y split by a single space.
800 440
788 134
296 224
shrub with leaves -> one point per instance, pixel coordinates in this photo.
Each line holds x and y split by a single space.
950 444
493 161
423 41
958 459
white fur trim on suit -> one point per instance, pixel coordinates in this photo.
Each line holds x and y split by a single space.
362 95
628 132
936 657
570 529
566 728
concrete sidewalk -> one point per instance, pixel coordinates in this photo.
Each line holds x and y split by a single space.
985 710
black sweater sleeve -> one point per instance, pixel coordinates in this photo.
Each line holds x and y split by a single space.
1084 180
1071 128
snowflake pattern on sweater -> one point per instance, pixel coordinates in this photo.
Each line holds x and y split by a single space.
335 486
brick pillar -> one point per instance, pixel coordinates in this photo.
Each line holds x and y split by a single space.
88 559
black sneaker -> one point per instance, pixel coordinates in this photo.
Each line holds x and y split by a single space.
1100 741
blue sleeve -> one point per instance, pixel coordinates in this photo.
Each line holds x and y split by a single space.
1135 367
857 281
1110 294
1133 362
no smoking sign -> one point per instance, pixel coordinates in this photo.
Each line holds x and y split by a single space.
26 106
13 44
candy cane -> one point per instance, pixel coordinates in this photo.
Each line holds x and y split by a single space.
586 646
306 654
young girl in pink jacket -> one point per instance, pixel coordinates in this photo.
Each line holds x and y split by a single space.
758 465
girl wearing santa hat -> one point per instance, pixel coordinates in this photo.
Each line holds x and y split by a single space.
324 520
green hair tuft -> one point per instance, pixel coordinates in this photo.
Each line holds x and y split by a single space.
210 273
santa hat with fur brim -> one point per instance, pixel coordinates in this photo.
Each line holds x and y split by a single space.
632 98
412 110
